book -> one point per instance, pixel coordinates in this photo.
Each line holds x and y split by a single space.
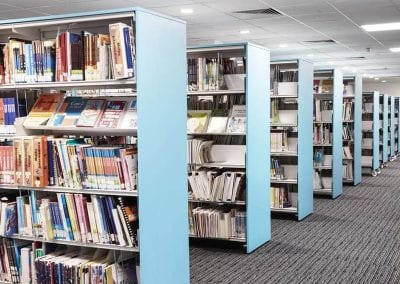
68 112
197 121
218 121
43 109
122 50
112 114
129 120
237 120
91 113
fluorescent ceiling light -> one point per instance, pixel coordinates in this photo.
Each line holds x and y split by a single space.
395 49
354 70
283 45
383 81
310 55
346 67
376 79
382 27
245 32
187 11
330 62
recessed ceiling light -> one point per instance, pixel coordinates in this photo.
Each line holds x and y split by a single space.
244 32
283 45
376 79
383 81
371 76
365 75
310 55
330 62
187 11
354 70
395 49
346 67
382 27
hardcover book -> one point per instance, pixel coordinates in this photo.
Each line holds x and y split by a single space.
197 121
91 113
112 114
43 109
69 112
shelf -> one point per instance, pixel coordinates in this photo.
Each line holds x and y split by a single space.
90 131
240 240
58 189
284 181
215 93
218 165
238 202
216 134
348 97
284 154
291 210
323 191
128 83
283 125
73 243
322 167
283 97
348 121
322 145
348 180
322 122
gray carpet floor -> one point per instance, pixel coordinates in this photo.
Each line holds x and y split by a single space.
353 239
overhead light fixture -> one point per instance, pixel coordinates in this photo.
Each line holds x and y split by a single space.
354 70
371 76
383 81
365 75
283 45
346 67
382 27
244 32
395 49
376 79
186 11
310 55
330 62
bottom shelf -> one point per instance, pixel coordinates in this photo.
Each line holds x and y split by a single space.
289 210
323 191
345 180
240 240
73 243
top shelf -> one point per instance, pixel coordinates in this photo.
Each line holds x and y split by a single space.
216 93
127 83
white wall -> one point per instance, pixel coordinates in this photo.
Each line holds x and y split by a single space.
386 88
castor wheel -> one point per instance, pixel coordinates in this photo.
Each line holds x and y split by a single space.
382 166
374 173
378 171
385 165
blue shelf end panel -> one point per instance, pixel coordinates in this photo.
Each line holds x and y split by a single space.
376 126
337 163
357 172
392 129
305 139
163 195
385 151
258 147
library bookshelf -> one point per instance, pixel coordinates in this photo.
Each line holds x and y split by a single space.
227 88
160 51
384 131
392 130
328 153
291 137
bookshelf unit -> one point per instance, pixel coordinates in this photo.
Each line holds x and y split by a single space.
160 45
396 124
371 125
291 146
238 81
328 126
384 140
352 134
392 129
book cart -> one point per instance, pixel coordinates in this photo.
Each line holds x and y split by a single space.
227 87
328 154
352 135
291 137
159 86
371 125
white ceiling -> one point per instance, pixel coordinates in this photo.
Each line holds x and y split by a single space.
302 20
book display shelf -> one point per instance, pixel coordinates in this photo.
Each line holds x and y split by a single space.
384 134
352 135
392 130
396 125
328 128
291 137
228 144
89 178
370 160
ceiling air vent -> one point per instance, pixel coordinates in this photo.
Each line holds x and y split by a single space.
268 11
321 41
354 58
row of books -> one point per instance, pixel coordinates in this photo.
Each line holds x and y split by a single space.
210 222
56 110
347 132
10 109
322 134
347 171
215 186
283 73
282 197
347 111
198 150
277 171
281 142
40 161
210 74
323 86
72 217
323 111
70 57
321 182
217 121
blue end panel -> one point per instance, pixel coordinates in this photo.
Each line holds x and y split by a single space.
305 139
357 129
162 160
398 124
337 133
258 147
376 126
392 130
385 151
